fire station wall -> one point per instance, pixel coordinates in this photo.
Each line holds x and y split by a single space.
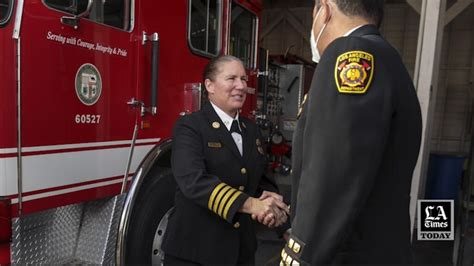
287 28
452 127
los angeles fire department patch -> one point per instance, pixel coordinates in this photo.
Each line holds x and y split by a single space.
354 72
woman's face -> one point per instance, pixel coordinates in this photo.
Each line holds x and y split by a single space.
228 89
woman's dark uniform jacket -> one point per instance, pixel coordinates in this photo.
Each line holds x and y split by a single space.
354 150
214 180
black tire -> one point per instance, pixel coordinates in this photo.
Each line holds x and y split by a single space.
155 198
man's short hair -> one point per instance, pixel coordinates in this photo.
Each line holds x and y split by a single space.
369 9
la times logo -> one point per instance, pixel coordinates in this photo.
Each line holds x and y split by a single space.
440 220
435 219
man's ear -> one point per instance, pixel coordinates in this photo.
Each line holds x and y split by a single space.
327 12
209 86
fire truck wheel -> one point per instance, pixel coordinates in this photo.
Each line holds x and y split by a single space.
149 218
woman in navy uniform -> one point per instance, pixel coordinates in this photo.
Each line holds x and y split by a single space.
355 145
218 162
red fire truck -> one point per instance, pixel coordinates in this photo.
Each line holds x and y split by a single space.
89 93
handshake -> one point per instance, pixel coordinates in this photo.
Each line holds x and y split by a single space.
269 209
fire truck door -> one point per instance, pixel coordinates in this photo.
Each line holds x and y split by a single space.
77 75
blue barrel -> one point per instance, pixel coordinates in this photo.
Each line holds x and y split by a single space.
444 176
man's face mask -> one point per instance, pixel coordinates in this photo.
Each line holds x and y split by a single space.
314 43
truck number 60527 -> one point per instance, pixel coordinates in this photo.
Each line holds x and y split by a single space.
87 119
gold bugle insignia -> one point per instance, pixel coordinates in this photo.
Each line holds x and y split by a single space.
297 248
214 145
291 243
216 125
300 110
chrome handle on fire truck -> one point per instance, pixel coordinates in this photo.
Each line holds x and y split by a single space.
155 56
155 64
74 20
135 103
262 73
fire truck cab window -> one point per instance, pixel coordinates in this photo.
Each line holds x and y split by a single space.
5 11
115 13
243 31
204 26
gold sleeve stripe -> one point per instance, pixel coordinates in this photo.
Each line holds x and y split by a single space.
218 200
225 199
230 202
213 195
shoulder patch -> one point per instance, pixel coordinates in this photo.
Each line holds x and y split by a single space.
354 72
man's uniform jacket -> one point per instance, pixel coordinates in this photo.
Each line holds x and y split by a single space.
214 181
354 150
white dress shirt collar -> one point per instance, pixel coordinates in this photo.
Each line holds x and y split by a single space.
351 31
226 119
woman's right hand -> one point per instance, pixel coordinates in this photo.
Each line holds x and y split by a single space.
270 211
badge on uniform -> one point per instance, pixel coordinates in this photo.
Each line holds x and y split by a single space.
216 125
354 72
214 145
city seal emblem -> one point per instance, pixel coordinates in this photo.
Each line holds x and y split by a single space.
88 84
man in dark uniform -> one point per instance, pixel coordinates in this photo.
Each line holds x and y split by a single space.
218 163
355 145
